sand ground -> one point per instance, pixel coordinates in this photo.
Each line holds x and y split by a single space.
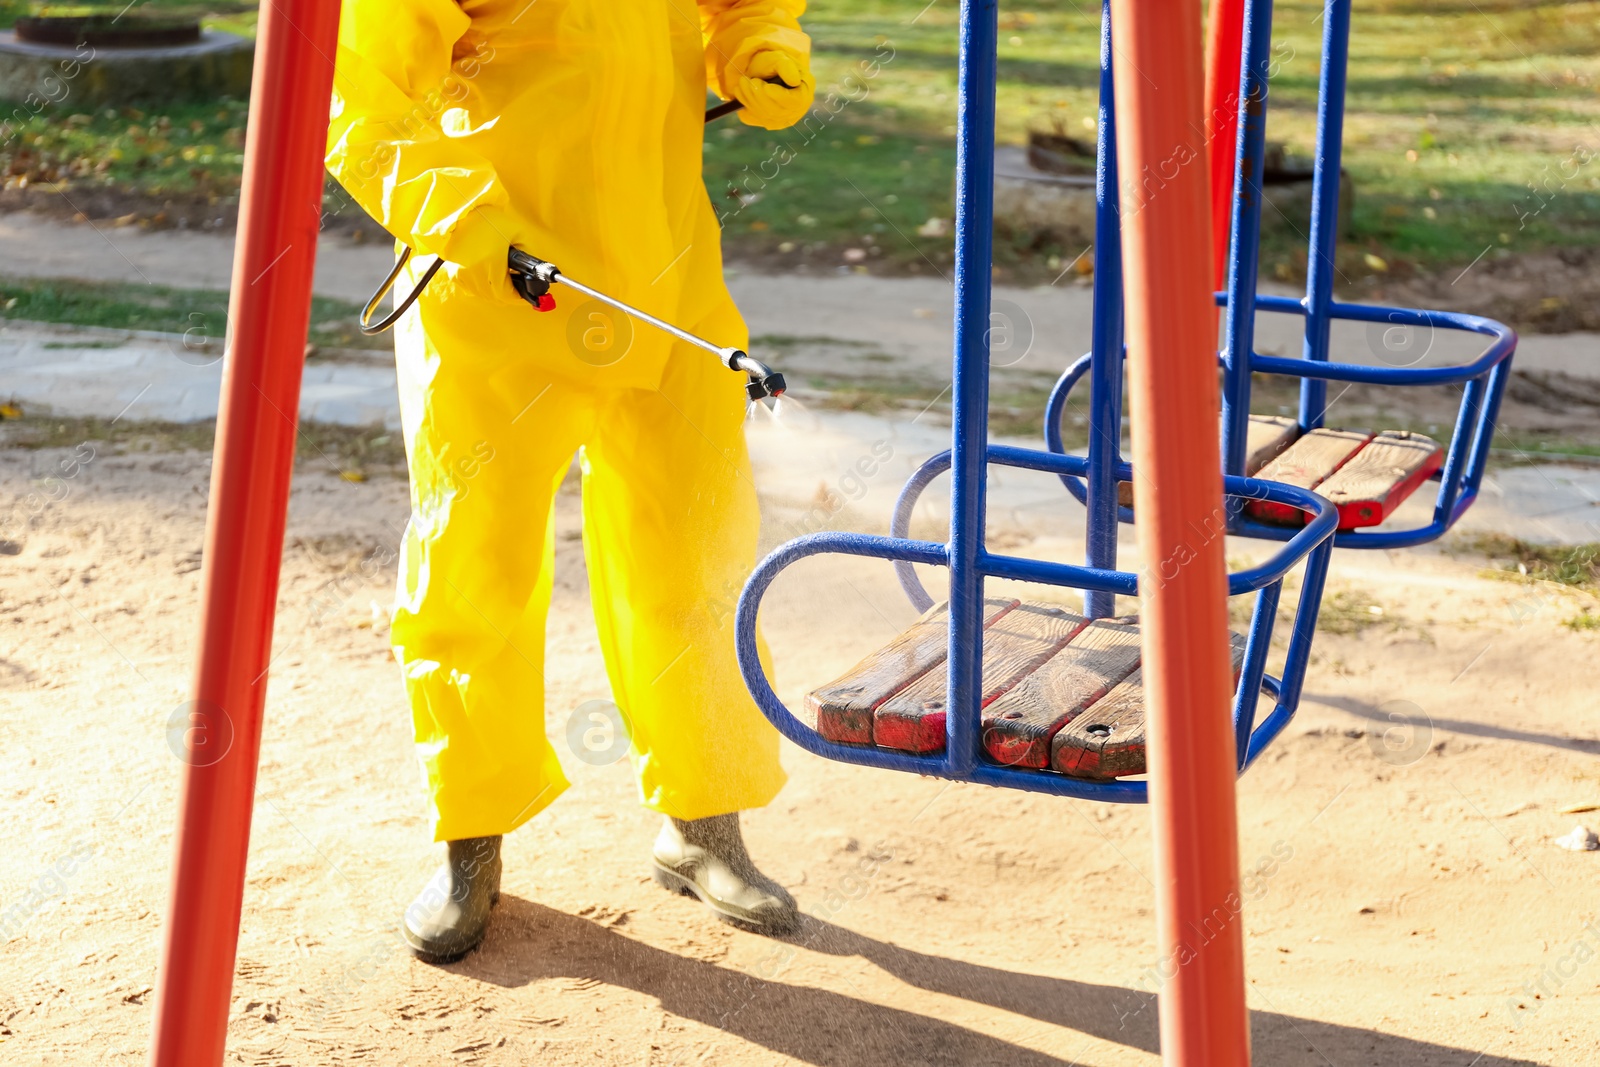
1405 904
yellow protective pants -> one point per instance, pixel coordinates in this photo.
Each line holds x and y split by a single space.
670 526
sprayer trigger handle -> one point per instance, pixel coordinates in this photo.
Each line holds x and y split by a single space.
532 277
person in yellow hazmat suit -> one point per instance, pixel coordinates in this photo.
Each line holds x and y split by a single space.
571 129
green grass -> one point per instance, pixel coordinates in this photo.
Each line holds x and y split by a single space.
353 452
1585 621
1577 566
195 149
1519 449
238 16
1455 109
200 314
851 185
1489 96
1350 612
1471 126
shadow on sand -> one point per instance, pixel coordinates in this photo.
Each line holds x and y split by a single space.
529 942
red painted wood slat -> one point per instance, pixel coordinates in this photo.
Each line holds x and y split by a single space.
844 707
1306 464
1018 727
913 720
1368 488
1108 740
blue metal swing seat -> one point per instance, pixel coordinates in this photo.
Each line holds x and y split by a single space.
1366 475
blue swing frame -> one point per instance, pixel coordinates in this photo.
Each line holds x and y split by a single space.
965 554
1483 380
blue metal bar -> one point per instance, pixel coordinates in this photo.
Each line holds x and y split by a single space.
1484 438
1449 320
1305 623
1338 309
1301 635
1504 344
1397 538
1502 348
1455 458
1287 689
1248 488
1072 469
1282 305
1055 409
1317 531
1044 572
1357 372
974 260
1254 665
900 526
1244 258
1369 540
1320 267
1269 730
1105 388
1037 459
1112 791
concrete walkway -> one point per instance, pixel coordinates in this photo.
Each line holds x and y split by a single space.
902 324
134 374
907 319
40 247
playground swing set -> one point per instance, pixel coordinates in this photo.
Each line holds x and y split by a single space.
989 690
1061 691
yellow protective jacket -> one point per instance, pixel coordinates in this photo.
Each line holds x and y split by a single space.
572 128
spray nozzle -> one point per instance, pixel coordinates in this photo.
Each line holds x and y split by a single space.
764 381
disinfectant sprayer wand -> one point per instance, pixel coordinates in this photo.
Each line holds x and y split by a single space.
532 277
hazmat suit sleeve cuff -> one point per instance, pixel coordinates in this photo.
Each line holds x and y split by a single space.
483 234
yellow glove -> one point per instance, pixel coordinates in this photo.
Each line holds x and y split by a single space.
475 254
776 88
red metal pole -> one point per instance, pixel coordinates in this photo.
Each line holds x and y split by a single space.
269 310
1177 482
1224 54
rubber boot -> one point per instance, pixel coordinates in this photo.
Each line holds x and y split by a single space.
451 914
706 858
